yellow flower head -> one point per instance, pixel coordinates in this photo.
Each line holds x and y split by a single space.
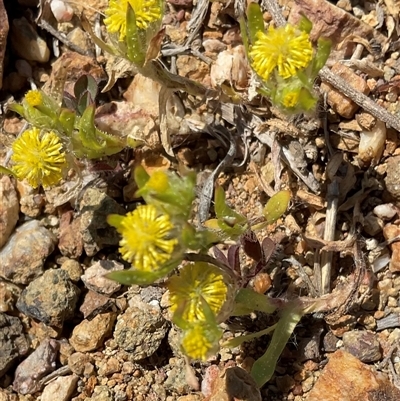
158 181
38 158
34 98
146 12
285 48
146 241
291 99
201 340
195 281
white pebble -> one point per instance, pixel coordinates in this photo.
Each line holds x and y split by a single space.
386 211
62 12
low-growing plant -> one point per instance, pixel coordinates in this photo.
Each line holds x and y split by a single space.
159 238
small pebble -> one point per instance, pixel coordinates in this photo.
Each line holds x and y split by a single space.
363 345
38 364
22 258
27 43
89 335
94 277
61 389
140 331
13 343
9 209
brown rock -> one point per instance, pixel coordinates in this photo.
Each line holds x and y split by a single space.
363 345
234 383
60 389
392 179
331 22
193 68
27 43
3 37
95 303
77 362
73 268
391 231
89 335
9 209
70 242
71 66
340 103
345 378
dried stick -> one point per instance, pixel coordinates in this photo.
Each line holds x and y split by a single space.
329 235
46 26
339 83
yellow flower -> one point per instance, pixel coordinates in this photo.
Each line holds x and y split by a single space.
146 12
285 48
38 158
291 99
195 281
34 98
201 340
158 181
146 241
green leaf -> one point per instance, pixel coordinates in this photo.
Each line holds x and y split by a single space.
141 176
276 206
305 24
87 130
67 120
321 56
248 301
131 277
306 100
115 220
245 36
255 21
235 342
5 170
264 367
135 52
223 211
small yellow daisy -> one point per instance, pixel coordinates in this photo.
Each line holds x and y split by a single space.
195 281
291 99
285 48
201 340
38 158
146 241
34 98
146 12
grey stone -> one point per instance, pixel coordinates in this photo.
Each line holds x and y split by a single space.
96 232
51 298
140 331
23 256
94 277
13 343
102 393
